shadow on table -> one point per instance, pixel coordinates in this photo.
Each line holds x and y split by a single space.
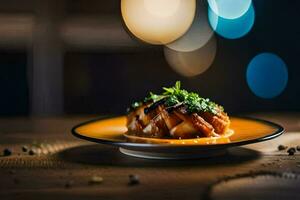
105 155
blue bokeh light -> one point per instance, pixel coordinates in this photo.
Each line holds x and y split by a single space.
232 28
267 75
229 9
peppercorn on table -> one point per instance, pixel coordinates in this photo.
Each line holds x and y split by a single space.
41 159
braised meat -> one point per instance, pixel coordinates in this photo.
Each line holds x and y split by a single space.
177 114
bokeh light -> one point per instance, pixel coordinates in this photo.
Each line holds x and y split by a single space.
232 28
192 63
158 7
198 34
158 21
267 75
230 9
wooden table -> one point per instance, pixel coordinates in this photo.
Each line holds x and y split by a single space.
64 168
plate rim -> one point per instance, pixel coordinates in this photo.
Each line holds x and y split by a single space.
280 130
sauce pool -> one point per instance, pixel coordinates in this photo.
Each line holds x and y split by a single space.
114 129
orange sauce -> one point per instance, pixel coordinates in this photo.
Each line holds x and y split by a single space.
114 129
195 141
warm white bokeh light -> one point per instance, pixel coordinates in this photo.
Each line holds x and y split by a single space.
158 21
162 8
192 63
198 34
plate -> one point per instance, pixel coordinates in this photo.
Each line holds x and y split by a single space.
110 131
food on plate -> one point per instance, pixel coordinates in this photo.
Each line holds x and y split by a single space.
177 114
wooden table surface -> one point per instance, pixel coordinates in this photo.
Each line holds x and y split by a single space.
66 165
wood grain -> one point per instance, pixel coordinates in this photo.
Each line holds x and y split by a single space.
75 162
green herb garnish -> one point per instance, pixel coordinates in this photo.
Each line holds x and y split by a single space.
153 97
176 96
134 105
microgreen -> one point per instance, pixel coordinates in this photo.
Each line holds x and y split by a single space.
175 95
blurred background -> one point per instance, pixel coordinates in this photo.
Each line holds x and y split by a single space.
61 57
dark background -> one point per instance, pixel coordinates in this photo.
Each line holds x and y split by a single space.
105 78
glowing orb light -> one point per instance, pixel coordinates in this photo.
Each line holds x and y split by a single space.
267 75
198 34
158 21
230 9
232 28
192 63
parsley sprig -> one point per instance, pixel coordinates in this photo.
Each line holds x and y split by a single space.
175 96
